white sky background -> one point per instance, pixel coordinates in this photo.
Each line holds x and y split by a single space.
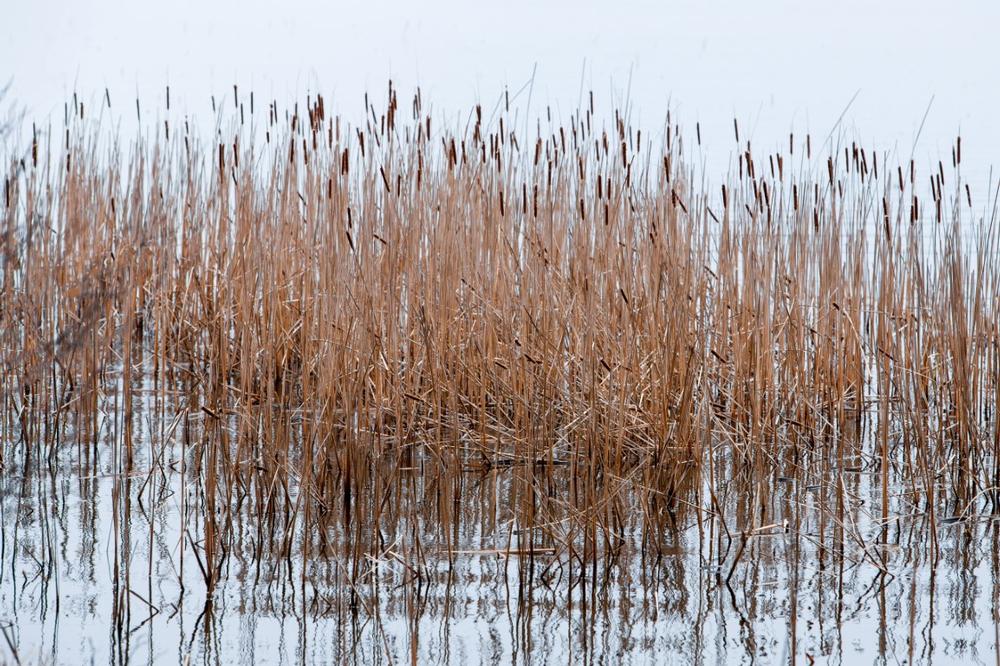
777 65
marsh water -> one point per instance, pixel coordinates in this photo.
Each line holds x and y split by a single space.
101 564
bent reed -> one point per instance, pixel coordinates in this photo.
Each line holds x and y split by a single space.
328 335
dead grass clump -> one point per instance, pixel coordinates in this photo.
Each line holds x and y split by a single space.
310 312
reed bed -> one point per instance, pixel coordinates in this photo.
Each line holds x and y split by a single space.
318 340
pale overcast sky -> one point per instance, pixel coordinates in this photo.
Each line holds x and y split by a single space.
777 65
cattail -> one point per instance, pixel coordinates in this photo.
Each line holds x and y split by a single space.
577 381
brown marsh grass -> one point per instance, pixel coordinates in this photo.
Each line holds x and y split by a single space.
319 340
